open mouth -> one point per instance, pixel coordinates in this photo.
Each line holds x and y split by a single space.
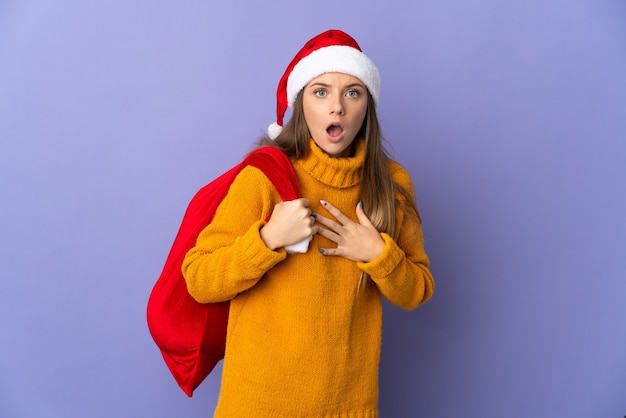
334 130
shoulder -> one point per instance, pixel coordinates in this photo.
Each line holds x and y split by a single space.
252 179
250 193
261 171
399 174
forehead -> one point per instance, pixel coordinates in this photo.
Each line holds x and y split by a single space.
338 79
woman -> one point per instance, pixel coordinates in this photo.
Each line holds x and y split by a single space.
304 329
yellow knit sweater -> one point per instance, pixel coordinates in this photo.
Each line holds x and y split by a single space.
301 341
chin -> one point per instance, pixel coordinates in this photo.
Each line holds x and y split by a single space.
336 150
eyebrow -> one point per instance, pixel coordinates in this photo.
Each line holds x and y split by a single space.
349 86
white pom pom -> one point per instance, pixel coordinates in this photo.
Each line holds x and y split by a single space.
274 130
299 247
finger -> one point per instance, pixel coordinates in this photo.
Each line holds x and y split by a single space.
305 202
327 233
329 251
327 222
300 207
361 216
343 219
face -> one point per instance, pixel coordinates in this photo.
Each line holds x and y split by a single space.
334 107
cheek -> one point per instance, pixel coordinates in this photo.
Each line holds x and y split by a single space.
360 120
312 119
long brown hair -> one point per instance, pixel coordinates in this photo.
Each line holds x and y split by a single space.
379 193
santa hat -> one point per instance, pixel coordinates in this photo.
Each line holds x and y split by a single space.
333 51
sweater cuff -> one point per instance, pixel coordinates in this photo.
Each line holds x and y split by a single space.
386 262
257 253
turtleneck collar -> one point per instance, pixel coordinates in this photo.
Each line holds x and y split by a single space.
335 172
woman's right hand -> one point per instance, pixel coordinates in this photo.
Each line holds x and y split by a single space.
290 223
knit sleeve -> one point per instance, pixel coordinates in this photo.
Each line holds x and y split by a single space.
230 256
401 272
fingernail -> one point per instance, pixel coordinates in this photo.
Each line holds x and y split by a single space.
323 202
314 215
361 203
322 250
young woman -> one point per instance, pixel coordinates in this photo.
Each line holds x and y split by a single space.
304 331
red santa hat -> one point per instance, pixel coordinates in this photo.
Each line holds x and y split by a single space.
333 51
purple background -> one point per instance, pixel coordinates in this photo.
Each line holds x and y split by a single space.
511 117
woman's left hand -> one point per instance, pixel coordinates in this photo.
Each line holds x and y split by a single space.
359 242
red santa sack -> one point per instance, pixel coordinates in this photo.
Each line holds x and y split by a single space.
191 335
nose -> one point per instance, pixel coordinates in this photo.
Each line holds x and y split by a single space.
336 106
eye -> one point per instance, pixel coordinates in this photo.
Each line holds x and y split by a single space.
353 93
320 93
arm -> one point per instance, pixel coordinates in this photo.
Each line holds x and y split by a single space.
230 256
398 267
401 271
